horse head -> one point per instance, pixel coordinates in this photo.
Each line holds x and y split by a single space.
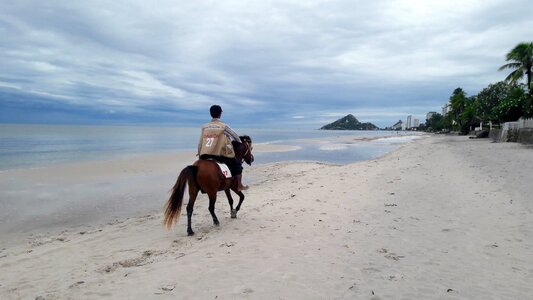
244 150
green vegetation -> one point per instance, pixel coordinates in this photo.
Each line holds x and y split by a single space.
500 102
349 122
521 58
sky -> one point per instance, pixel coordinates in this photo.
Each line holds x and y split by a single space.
267 63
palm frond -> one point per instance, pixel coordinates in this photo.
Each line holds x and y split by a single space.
510 66
521 52
515 76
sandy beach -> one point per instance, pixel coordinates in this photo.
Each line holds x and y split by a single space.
443 217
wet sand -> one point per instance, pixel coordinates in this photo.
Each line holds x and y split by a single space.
47 200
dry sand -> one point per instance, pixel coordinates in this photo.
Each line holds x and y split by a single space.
441 218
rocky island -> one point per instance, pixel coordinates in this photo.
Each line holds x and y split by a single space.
349 122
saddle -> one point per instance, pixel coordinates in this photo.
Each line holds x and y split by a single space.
224 169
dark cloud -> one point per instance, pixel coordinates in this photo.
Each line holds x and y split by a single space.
289 62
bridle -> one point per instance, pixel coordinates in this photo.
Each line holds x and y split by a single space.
248 148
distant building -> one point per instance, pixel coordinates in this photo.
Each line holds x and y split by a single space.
430 114
408 123
398 125
416 123
446 109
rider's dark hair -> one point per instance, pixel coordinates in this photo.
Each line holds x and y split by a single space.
215 111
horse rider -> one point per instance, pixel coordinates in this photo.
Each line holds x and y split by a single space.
215 143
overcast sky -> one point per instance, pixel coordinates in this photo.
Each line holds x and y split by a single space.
267 63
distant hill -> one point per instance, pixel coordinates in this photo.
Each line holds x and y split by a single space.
349 123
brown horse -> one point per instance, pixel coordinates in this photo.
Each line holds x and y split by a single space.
205 176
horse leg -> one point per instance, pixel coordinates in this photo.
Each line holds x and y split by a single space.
212 200
241 199
230 201
193 193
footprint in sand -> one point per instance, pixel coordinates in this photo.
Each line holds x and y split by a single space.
76 284
167 288
394 256
144 259
390 255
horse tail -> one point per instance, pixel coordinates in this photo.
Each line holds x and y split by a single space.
173 206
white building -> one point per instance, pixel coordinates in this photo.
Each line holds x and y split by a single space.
398 125
416 123
408 124
446 109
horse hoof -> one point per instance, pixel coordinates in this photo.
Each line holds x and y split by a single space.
216 223
234 214
189 233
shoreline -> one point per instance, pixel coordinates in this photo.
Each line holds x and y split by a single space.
259 148
44 201
167 165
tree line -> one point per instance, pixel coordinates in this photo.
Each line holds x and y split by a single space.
500 102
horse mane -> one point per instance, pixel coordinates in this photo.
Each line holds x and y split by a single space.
245 138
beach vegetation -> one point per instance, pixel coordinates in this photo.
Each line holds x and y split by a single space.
461 113
514 106
499 102
438 123
520 60
488 99
502 102
468 118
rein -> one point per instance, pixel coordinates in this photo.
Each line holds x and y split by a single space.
247 148
245 142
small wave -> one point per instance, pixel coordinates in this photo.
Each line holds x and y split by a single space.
266 147
397 139
333 147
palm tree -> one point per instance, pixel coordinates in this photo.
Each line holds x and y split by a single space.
521 58
458 102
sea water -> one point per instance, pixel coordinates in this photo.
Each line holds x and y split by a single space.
30 146
33 207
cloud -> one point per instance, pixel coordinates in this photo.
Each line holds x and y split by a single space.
263 61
